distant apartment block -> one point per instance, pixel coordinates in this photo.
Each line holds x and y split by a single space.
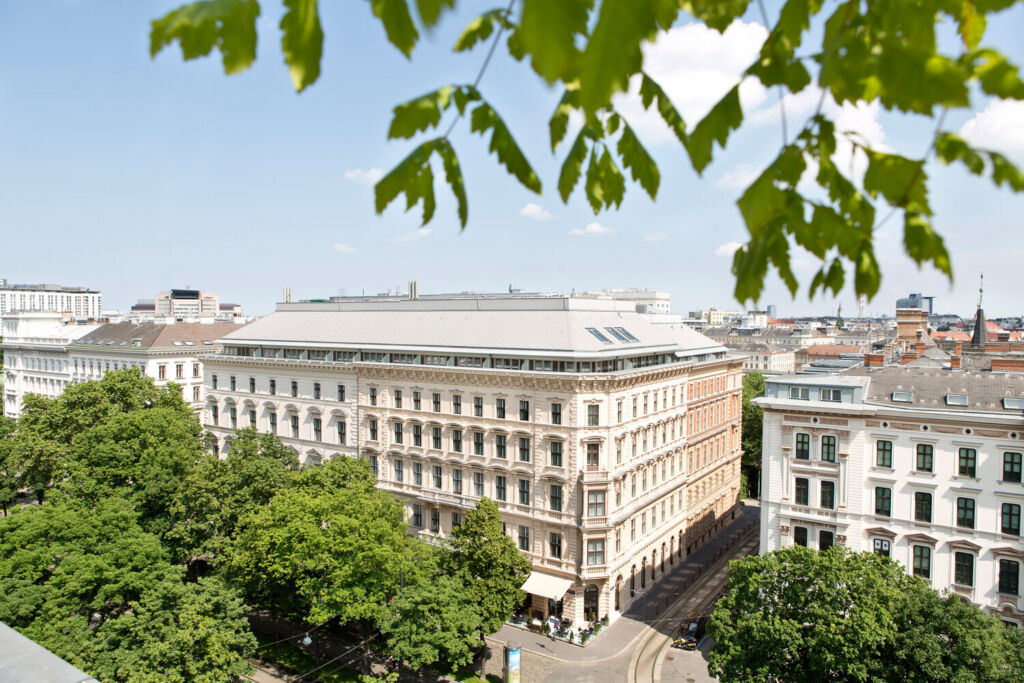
80 303
717 316
766 358
184 304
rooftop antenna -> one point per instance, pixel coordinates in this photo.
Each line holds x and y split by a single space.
981 288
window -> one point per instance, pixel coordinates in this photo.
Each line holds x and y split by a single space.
341 432
295 426
417 516
478 483
595 503
883 501
457 404
923 561
925 455
478 406
883 454
618 409
595 551
1009 577
457 440
499 408
373 396
435 520
524 537
179 371
416 402
435 438
828 495
213 380
273 387
922 506
436 474
499 446
882 547
317 433
963 569
524 491
341 392
600 337
233 384
195 394
1011 466
965 513
800 393
593 456
524 449
399 471
398 398
593 415
234 417
556 413
968 462
456 519
556 497
478 443
373 430
417 435
902 397
273 422
802 496
800 536
828 448
803 446
398 432
499 488
556 453
417 474
1011 519
295 389
252 385
825 540
456 481
195 369
524 411
316 390
834 395
555 544
436 400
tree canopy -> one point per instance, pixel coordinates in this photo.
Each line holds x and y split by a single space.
885 52
801 615
753 418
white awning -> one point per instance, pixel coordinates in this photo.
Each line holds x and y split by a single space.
546 585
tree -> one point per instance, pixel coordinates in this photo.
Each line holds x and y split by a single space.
753 386
489 564
8 468
869 52
799 615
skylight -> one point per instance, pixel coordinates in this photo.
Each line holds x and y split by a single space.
603 339
1013 403
176 343
902 397
956 400
190 343
626 334
618 335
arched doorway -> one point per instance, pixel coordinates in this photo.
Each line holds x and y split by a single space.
672 550
680 544
662 558
590 603
654 565
632 581
618 592
643 574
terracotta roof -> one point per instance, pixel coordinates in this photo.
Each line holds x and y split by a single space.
831 349
153 335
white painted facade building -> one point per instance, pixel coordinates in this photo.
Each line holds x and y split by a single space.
81 303
921 465
610 443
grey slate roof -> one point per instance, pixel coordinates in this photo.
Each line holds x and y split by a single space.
985 391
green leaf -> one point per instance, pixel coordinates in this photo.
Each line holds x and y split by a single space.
430 10
950 147
547 32
480 29
724 117
595 192
924 244
613 184
1003 171
971 24
638 161
867 274
302 41
717 14
900 180
997 75
559 123
420 113
761 202
917 80
409 178
453 173
394 15
571 167
651 91
484 118
228 25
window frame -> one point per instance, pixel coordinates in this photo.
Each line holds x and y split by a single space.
924 453
886 509
883 452
966 511
921 561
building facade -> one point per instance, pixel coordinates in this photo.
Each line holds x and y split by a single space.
767 358
79 302
923 466
610 443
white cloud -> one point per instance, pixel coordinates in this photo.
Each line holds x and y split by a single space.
411 237
739 177
656 237
343 249
536 212
594 228
368 177
728 249
696 66
999 127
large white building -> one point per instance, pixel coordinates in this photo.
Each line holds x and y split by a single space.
81 303
655 301
611 443
922 465
43 354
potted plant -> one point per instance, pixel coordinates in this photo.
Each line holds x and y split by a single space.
584 637
572 637
546 628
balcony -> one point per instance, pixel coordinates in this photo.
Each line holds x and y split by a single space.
595 522
595 476
594 571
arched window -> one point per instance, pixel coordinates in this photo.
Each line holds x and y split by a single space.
672 550
618 592
590 603
643 574
654 565
662 558
632 581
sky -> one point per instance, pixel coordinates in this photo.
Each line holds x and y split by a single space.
134 175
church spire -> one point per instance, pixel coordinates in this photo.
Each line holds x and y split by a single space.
980 335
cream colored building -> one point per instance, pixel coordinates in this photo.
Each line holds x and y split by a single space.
610 443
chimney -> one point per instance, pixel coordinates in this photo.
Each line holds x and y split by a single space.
954 362
919 348
874 360
907 357
414 290
959 348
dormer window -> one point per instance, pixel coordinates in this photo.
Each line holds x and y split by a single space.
834 395
956 400
800 393
902 397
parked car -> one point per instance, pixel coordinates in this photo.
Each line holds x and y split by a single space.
694 632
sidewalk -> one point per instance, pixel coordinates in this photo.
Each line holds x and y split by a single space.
646 610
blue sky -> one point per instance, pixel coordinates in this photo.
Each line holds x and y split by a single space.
135 175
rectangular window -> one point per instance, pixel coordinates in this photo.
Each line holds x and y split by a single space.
524 411
179 371
883 501
524 491
883 454
800 536
295 426
833 395
457 404
828 495
373 396
417 516
500 491
436 400
478 443
478 483
803 446
593 415
195 369
317 433
882 547
456 519
499 446
499 408
273 423
417 435
435 520
341 392
232 378
416 402
524 449
456 481
593 456
295 389
828 448
963 569
457 440
341 432
398 432
595 503
555 545
800 393
195 394
965 513
417 474
618 409
399 471
922 506
1011 519
556 413
524 537
373 464
802 489
273 387
316 390
252 385
925 456
968 462
556 497
234 417
595 551
398 398
436 472
478 406
213 380
373 430
435 438
825 540
1011 466
923 561
556 453
1009 577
